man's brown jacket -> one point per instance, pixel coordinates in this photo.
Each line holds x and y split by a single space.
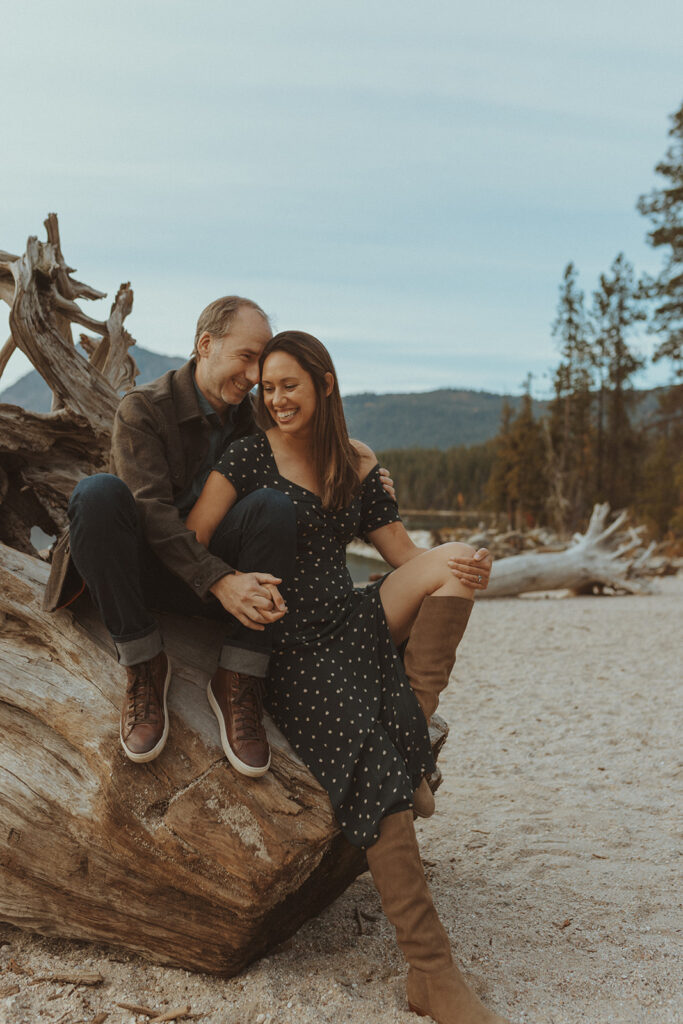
159 441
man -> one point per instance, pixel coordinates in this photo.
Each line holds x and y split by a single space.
127 540
128 544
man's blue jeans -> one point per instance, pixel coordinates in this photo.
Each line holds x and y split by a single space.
126 580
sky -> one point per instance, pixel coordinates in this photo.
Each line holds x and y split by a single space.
406 181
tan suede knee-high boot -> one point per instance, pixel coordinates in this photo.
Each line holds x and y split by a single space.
435 986
430 651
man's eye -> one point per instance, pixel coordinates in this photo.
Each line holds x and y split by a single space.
289 387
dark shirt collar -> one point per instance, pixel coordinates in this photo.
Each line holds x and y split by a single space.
205 406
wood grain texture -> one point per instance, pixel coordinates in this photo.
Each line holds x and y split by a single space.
181 860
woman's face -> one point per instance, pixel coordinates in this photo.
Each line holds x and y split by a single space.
288 393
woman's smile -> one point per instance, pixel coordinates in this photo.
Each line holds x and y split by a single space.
285 415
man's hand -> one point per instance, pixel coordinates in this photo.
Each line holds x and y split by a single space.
252 597
475 571
387 482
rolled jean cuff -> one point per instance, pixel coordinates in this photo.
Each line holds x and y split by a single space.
132 652
239 659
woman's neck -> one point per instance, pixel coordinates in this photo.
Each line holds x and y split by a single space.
299 446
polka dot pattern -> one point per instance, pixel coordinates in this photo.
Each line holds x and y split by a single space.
337 688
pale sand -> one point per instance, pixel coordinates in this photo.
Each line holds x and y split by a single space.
553 855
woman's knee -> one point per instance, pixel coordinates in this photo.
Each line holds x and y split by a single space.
455 549
441 556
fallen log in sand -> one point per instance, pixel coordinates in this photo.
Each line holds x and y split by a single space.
182 859
604 556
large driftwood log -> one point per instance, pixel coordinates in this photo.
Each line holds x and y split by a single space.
42 457
604 556
181 860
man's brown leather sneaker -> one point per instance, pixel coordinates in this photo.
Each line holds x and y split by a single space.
144 718
235 699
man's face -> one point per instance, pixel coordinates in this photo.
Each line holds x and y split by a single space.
228 367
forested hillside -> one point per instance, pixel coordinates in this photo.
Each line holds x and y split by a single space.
434 419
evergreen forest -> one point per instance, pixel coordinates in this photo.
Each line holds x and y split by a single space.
590 445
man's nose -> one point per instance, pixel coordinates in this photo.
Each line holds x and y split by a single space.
252 373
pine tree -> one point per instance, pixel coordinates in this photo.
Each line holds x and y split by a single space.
661 498
518 481
617 307
570 427
498 487
664 207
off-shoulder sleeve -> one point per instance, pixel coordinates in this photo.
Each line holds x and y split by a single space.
377 508
240 463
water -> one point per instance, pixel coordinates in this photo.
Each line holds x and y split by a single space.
361 568
419 525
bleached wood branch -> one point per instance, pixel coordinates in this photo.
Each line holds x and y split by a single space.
590 560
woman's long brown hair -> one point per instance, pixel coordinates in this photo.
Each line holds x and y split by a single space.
336 460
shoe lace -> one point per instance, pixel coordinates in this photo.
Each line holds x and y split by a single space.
142 705
246 698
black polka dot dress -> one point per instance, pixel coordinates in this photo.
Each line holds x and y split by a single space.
337 688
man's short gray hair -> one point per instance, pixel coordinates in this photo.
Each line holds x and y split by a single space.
219 314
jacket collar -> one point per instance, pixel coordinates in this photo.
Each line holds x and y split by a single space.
184 394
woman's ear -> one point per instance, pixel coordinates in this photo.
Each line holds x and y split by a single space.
329 383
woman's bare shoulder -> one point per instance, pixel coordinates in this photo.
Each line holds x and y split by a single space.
368 459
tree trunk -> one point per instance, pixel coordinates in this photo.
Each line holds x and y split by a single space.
599 558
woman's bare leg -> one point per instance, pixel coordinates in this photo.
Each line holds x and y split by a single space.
403 591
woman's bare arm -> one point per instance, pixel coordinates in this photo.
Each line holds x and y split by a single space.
394 544
391 541
396 547
217 498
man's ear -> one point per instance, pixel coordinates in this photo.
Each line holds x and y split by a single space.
329 383
204 344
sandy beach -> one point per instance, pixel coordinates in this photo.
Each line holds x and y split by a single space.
553 856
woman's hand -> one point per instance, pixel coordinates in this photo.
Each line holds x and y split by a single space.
475 571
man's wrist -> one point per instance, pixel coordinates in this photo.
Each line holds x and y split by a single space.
228 572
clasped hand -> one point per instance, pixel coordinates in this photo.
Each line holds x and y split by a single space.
252 597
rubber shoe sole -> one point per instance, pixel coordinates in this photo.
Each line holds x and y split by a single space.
149 755
238 765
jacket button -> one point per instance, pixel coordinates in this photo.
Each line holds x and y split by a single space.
197 583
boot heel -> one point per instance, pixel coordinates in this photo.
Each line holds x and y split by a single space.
414 1009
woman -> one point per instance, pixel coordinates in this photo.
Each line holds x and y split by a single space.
337 688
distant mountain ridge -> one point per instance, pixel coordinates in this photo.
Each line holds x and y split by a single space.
31 392
433 419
